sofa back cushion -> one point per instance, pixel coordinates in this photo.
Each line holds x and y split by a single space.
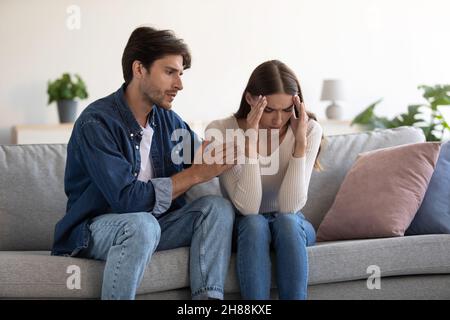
337 157
32 195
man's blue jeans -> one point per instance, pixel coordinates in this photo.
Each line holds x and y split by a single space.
288 234
127 242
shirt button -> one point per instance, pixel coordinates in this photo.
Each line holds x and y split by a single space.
131 135
137 147
135 174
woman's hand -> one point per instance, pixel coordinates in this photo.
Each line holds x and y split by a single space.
299 126
253 118
255 114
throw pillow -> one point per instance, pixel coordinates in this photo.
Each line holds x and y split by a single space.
434 213
381 193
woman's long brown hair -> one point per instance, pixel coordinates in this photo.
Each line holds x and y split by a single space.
272 77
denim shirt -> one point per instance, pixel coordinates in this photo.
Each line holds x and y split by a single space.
103 163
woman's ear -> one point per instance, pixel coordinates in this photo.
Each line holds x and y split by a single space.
249 98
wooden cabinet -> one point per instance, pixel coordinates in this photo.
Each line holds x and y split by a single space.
35 134
336 127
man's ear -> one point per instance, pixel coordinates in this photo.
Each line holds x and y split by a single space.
138 69
249 98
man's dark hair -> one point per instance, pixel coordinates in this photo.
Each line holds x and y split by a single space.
147 44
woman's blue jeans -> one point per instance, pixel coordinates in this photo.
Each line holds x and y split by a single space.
288 234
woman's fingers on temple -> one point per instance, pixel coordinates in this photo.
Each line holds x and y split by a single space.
263 104
254 102
261 110
258 100
297 101
261 101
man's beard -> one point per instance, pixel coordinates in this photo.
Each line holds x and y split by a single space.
157 97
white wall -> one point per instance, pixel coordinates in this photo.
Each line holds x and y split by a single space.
381 48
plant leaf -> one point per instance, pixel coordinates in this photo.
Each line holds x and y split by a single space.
66 88
367 116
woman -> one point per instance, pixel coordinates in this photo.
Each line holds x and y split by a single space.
269 204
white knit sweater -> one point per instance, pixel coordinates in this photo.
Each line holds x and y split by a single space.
285 191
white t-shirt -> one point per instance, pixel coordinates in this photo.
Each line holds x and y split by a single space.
146 172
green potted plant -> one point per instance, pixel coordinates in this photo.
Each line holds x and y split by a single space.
426 116
64 91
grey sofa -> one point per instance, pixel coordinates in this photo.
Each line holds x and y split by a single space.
32 200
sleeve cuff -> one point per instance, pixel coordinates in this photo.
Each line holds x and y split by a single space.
163 195
296 160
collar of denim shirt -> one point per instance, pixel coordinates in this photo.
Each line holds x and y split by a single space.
133 126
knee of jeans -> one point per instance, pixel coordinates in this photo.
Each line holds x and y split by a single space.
254 225
287 219
218 208
145 228
310 233
288 223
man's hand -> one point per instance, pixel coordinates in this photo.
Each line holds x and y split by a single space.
204 168
210 164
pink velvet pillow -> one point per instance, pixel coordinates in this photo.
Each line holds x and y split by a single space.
381 193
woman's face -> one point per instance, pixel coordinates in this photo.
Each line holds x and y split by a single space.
279 109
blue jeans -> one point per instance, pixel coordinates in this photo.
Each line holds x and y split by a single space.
289 235
127 242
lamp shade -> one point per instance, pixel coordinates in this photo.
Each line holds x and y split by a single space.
333 90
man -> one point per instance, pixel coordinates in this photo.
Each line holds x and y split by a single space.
125 194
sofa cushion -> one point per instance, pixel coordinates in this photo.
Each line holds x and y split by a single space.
381 193
337 157
434 213
32 195
335 261
36 274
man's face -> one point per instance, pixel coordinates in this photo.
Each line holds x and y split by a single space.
161 83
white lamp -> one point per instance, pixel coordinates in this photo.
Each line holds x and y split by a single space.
333 90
